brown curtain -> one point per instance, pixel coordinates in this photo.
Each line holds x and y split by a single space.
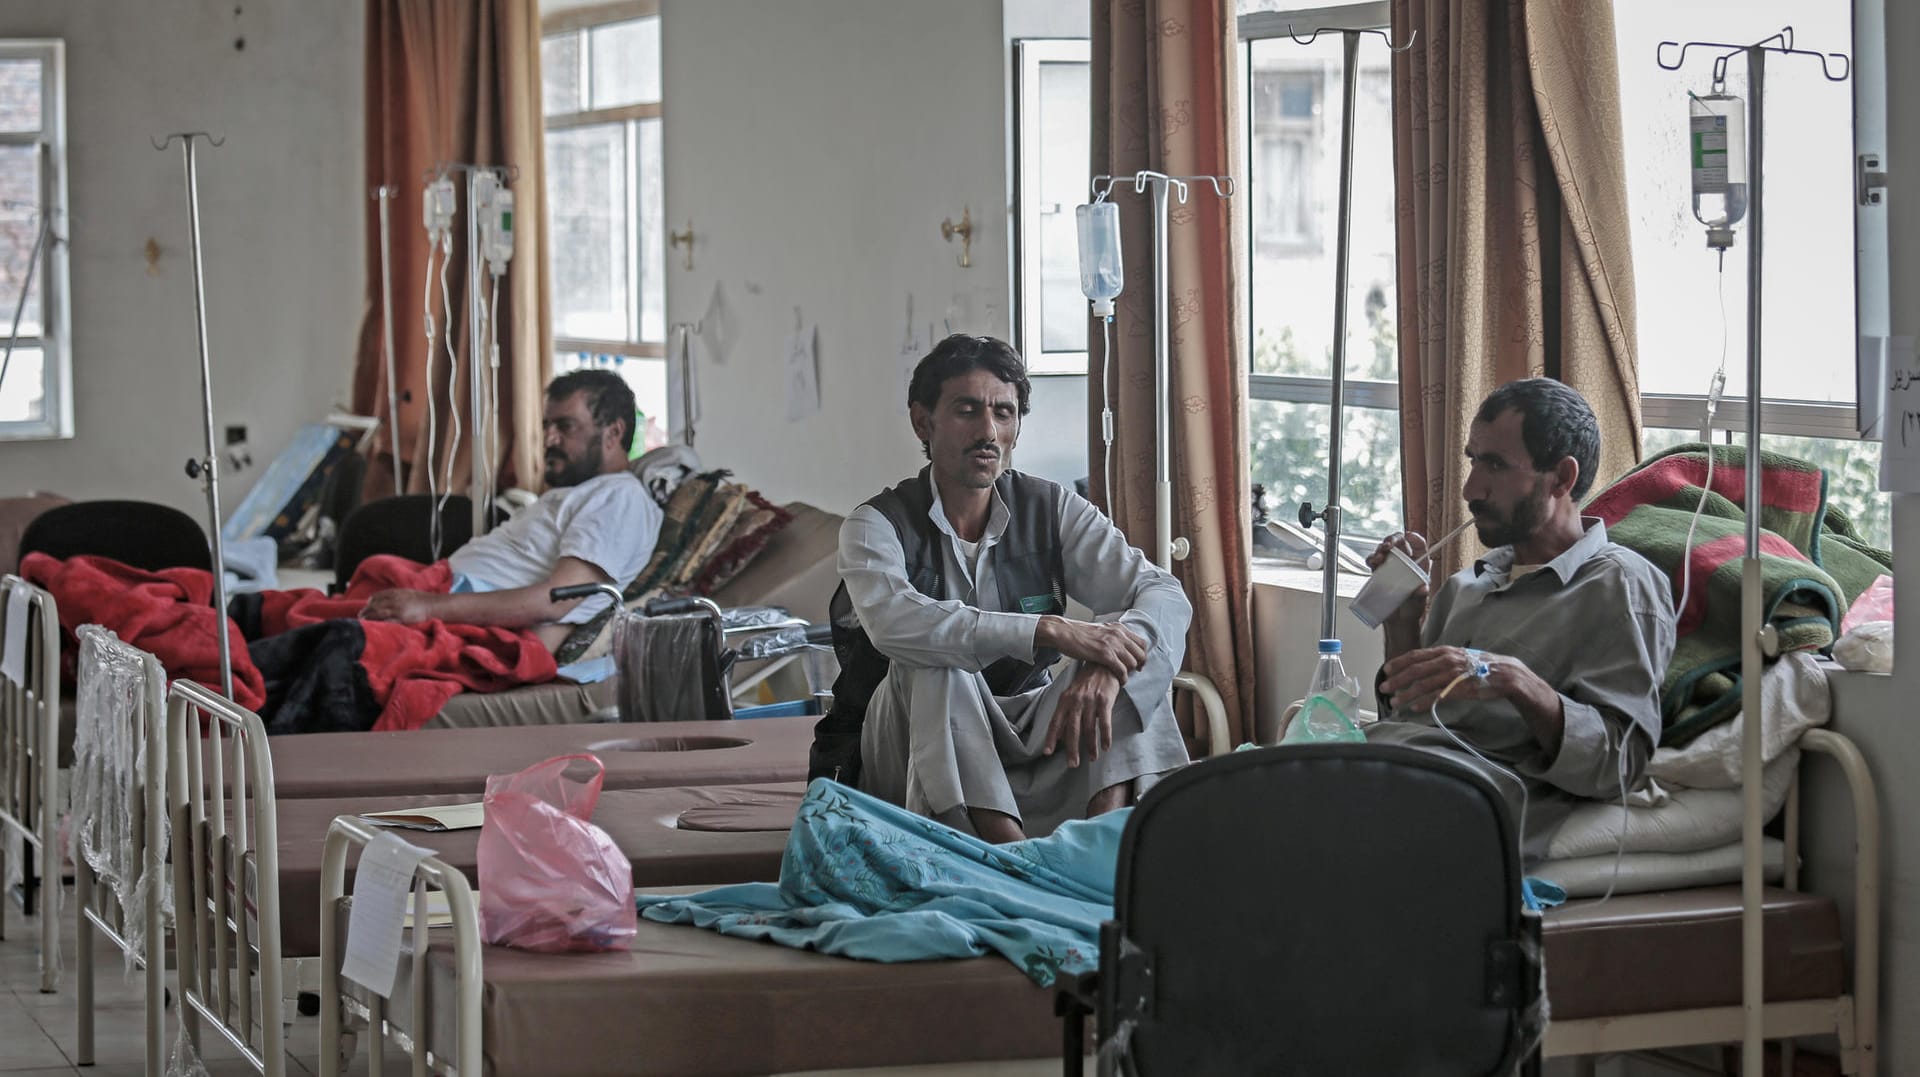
1163 99
453 80
1513 230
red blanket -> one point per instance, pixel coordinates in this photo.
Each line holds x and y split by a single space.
403 673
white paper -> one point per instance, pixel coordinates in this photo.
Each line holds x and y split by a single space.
802 376
1900 421
683 400
14 665
380 887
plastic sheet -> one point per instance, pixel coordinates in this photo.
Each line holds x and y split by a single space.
671 668
1867 647
550 880
753 616
774 644
119 685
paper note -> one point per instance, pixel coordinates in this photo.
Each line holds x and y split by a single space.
438 817
802 375
1900 420
381 884
14 664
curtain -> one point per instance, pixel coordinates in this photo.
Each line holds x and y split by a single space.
1163 99
453 80
1512 230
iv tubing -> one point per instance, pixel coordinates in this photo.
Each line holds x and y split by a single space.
453 380
1106 409
433 437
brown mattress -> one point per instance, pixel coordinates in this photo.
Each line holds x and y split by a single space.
1680 950
637 756
553 703
643 823
690 1003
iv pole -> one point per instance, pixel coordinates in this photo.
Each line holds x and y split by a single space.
206 469
384 195
1330 514
1759 641
1166 548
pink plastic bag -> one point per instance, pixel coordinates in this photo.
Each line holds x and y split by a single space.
549 879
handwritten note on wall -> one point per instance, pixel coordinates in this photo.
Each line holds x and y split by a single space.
1900 452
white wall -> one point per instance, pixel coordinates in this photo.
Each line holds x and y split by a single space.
281 211
816 148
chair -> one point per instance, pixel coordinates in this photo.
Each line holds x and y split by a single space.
401 525
226 874
137 533
1318 909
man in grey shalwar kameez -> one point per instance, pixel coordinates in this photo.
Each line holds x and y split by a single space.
950 623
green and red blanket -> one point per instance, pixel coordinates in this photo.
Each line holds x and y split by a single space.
1814 564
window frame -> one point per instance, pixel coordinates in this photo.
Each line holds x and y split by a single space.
1030 54
581 22
55 341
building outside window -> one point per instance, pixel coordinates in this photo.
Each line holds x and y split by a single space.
36 381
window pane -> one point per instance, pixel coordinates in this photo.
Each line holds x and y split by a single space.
1065 108
626 63
1290 458
23 393
1248 7
20 106
1294 106
1810 339
587 206
560 73
19 227
648 380
653 235
1852 467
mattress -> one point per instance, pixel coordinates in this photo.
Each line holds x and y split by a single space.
432 761
734 834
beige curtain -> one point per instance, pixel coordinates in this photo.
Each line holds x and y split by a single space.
453 80
1513 230
1163 99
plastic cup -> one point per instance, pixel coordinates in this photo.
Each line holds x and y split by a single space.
1395 581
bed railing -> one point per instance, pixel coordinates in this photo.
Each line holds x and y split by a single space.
30 761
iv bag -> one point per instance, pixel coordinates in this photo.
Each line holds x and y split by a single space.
1101 277
1717 148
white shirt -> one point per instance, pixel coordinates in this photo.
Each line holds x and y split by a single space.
609 521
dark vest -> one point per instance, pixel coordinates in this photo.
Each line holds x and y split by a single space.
1029 573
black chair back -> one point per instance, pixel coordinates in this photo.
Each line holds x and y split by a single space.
137 533
400 525
1321 909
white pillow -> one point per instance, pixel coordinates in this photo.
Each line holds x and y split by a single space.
1640 873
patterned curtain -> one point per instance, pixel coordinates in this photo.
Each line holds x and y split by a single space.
453 80
1163 99
1514 259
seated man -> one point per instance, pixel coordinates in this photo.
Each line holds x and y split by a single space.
595 524
1576 630
950 617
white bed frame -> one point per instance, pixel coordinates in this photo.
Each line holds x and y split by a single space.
29 765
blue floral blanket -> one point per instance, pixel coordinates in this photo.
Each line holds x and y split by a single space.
865 879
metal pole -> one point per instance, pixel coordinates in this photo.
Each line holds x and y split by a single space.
1162 421
1330 568
476 381
209 467
1753 938
385 195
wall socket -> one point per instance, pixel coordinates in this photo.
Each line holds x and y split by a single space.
236 434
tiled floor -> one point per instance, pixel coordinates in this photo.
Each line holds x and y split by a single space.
38 1031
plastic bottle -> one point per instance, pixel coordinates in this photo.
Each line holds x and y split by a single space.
1101 277
1717 151
1332 696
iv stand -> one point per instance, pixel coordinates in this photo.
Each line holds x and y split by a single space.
1166 548
1760 641
1330 514
206 469
384 195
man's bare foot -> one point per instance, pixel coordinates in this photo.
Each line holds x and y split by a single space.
1111 798
994 826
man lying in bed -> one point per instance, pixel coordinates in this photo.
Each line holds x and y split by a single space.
595 524
1575 631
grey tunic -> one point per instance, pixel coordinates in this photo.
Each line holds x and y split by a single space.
936 740
1597 624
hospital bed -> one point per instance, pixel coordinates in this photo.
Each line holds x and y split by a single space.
29 755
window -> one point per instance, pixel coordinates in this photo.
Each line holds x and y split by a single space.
36 383
1051 125
1292 97
606 235
1691 309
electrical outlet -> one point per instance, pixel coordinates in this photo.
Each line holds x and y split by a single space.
236 434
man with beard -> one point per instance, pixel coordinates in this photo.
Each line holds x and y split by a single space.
595 524
1574 631
950 619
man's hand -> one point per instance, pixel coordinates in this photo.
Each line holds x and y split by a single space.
398 604
1414 545
1111 646
1416 679
1084 716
